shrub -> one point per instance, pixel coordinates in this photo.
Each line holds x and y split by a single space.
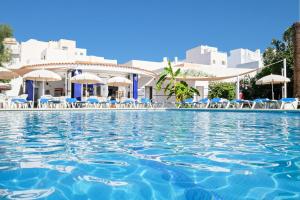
222 90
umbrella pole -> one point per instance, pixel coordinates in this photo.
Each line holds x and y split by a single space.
33 94
86 91
272 91
43 88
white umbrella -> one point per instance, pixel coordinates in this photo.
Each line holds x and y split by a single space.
272 79
6 73
118 81
86 78
42 75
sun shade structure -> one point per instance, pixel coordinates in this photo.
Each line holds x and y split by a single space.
118 81
87 78
272 79
6 74
42 75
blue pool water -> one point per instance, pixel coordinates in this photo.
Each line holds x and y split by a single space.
149 155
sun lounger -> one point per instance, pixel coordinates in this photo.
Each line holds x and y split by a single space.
239 103
20 102
260 103
71 102
92 102
288 103
187 102
127 103
219 103
43 102
203 103
144 103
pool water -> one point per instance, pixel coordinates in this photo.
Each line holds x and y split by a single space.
149 155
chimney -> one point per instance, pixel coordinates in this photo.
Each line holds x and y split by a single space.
175 60
296 27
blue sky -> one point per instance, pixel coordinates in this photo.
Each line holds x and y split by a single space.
151 29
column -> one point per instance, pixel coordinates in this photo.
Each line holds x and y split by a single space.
29 89
135 84
76 87
237 87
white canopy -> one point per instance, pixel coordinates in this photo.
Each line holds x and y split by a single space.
118 81
272 79
42 75
6 73
86 78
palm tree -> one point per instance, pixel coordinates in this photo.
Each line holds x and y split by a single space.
180 89
183 91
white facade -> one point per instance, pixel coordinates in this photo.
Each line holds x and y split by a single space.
35 51
244 58
206 55
205 59
238 58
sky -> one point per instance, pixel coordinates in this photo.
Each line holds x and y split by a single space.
151 29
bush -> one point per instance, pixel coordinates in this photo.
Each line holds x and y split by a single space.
221 90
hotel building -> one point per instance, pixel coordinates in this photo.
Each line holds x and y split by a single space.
201 65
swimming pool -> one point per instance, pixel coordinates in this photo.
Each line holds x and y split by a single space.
149 155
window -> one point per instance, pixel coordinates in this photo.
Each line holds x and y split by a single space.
64 48
223 62
81 53
214 62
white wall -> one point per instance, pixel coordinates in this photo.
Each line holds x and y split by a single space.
34 51
147 65
206 55
31 51
242 56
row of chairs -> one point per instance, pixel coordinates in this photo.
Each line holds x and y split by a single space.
15 102
264 103
94 102
47 101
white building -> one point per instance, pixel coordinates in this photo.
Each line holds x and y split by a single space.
66 59
244 58
206 55
35 51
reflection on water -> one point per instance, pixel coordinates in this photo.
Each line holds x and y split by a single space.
149 155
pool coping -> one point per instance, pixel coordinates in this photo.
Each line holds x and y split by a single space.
152 109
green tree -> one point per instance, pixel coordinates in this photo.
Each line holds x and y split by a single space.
278 50
221 90
5 32
180 89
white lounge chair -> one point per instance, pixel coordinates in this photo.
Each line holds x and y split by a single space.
288 103
203 103
219 103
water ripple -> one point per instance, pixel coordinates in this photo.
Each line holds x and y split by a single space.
138 155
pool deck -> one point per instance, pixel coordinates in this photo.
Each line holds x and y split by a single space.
153 109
